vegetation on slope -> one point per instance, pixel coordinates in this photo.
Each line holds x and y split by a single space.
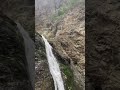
64 9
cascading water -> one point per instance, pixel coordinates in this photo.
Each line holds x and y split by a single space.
29 51
53 66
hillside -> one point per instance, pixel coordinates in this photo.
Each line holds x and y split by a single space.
67 36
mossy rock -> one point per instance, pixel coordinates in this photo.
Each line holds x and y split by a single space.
68 77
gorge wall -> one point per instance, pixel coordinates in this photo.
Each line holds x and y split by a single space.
13 63
103 45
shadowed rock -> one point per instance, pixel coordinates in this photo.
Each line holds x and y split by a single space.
13 63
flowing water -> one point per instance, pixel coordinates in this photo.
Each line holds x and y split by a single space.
53 66
29 51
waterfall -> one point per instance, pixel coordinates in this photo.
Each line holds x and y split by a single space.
29 51
53 66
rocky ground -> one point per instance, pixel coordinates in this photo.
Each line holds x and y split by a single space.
67 36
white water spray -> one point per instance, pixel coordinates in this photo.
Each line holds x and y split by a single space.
53 66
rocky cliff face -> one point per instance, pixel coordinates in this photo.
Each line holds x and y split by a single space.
13 72
21 11
43 78
70 43
103 45
67 37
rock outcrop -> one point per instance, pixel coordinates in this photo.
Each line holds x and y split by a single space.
103 45
21 11
13 63
43 78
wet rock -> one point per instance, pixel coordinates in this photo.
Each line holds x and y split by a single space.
21 11
43 78
13 63
103 36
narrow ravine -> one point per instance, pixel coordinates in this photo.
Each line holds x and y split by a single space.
53 66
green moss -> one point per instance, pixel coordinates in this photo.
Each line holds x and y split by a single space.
69 78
